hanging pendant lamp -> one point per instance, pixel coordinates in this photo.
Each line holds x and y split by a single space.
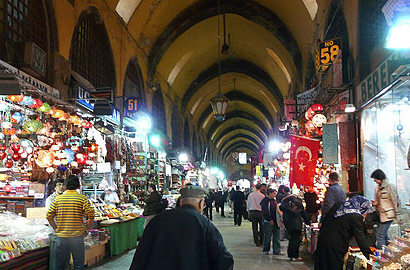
219 103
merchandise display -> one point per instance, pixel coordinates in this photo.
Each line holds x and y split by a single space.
19 235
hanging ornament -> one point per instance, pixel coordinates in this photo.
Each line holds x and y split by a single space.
81 158
8 128
55 147
17 117
69 153
3 155
64 162
3 147
7 188
44 158
15 147
86 124
16 98
50 170
27 101
36 104
44 108
32 126
24 155
56 162
74 164
318 120
316 108
15 156
9 162
65 117
57 113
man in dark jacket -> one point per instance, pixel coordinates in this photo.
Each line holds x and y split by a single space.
183 239
334 194
312 204
238 199
217 199
293 212
151 204
270 225
209 199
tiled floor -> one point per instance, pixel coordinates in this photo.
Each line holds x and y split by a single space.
239 242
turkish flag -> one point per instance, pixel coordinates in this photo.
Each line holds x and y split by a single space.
303 157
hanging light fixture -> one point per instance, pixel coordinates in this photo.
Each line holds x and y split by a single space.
219 102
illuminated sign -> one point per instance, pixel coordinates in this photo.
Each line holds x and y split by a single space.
326 53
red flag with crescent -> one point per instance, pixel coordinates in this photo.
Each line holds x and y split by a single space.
303 157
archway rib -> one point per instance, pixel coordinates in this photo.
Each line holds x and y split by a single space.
203 10
236 127
233 65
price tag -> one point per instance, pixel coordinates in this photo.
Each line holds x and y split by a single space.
31 192
39 196
36 212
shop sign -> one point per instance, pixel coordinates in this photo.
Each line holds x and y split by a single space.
242 158
381 77
115 116
30 80
305 99
326 53
83 97
130 106
105 94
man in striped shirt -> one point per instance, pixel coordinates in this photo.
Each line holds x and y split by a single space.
69 210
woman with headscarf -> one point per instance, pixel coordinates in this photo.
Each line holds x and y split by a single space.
344 221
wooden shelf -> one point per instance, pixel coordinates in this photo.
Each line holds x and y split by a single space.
16 198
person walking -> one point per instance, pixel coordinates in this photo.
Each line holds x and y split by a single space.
334 194
293 213
312 204
343 221
223 201
217 199
270 224
151 203
182 239
385 204
68 209
238 199
209 199
255 214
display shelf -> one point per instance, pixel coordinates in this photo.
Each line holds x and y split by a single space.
16 198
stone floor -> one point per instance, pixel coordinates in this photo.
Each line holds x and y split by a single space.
239 242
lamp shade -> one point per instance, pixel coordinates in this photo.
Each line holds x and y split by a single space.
219 105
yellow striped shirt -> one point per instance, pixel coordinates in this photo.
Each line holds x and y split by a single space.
69 210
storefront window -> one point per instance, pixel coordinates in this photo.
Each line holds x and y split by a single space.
386 139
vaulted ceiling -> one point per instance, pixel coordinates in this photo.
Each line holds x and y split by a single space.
269 48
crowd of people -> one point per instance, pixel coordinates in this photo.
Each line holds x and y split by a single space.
185 238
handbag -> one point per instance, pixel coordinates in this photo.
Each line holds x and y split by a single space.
374 217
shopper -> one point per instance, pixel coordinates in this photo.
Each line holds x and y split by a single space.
59 189
151 202
385 204
283 191
111 197
68 210
312 204
182 239
334 194
293 213
343 221
217 199
223 201
270 224
209 199
255 214
264 188
238 199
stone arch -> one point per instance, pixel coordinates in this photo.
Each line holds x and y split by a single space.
176 128
158 112
187 136
134 85
90 53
